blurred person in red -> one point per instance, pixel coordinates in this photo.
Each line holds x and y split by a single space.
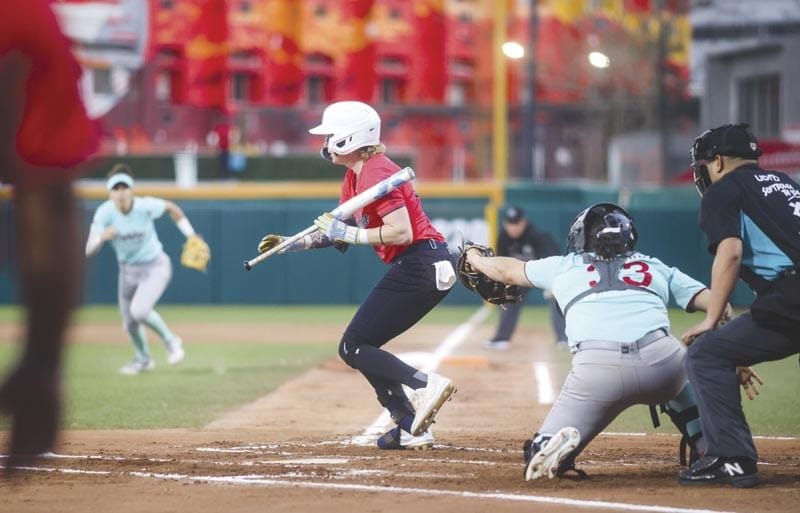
44 134
222 134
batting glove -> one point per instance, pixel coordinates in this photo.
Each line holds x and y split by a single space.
270 241
339 231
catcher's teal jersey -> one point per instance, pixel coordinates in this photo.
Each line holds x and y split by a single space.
136 241
616 315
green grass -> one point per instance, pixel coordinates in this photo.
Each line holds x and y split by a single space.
306 314
213 379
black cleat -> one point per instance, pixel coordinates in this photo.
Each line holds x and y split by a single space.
713 470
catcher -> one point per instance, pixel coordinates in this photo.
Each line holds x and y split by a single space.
144 268
615 304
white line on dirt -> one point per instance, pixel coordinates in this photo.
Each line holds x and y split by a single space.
260 480
543 383
384 422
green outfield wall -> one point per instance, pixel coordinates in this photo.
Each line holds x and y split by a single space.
233 217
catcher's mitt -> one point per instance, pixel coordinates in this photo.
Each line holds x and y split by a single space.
491 291
196 253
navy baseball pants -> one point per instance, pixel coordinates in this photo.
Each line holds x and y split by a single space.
398 301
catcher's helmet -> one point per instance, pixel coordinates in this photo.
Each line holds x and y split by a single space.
725 140
349 126
604 229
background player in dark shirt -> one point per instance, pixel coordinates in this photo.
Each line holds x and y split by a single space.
520 239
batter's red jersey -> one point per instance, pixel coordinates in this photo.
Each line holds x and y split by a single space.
39 83
374 171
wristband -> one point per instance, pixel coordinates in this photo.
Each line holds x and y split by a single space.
185 227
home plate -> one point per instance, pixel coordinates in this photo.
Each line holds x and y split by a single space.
315 461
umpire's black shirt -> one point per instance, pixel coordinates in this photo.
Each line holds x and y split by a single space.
762 208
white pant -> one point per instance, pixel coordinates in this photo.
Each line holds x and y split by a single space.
602 383
140 287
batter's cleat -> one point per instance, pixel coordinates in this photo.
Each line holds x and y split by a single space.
543 455
398 438
137 366
498 345
428 400
175 351
713 470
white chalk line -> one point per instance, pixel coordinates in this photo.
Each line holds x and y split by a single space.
384 421
256 479
544 385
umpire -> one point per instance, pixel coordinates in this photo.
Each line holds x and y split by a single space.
752 220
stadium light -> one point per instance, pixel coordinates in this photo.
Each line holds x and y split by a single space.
599 60
513 50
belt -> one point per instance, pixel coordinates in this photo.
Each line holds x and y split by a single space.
623 347
423 244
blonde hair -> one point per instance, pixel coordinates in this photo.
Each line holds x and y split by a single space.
367 152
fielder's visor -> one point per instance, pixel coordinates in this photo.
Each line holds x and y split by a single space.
119 178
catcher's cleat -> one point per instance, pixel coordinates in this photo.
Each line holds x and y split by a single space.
544 455
428 400
713 470
398 438
137 366
175 352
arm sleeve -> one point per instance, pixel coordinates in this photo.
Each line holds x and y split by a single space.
682 287
542 271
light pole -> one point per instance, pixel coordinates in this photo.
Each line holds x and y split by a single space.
499 100
528 121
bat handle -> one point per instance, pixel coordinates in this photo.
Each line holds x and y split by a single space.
249 264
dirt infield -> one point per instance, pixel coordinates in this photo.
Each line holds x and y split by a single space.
295 450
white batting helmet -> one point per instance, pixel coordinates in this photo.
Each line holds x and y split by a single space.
349 126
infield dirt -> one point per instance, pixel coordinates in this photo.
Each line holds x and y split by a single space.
292 450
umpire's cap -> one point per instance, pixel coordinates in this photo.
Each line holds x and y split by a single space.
728 141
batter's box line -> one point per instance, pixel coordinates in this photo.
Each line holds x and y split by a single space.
257 480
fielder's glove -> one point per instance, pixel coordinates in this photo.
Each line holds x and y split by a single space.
196 253
490 290
271 240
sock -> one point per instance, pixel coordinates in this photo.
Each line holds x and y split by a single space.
157 324
405 423
140 347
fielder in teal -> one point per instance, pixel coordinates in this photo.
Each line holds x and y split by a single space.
615 305
144 269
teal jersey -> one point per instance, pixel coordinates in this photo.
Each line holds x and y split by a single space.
136 241
615 315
